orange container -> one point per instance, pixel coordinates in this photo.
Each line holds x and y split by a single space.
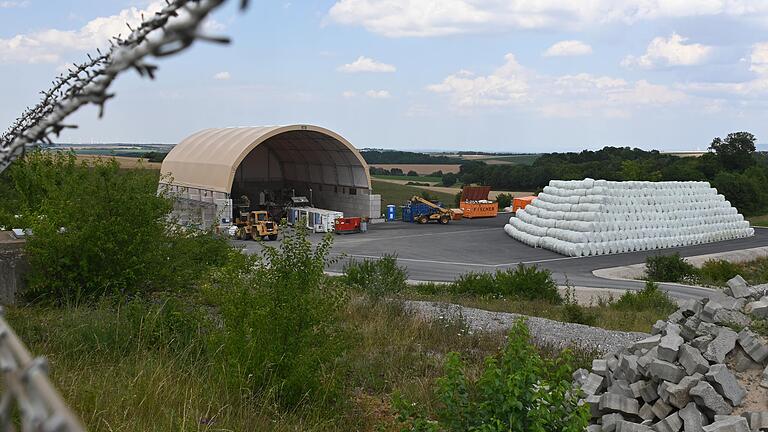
474 202
522 202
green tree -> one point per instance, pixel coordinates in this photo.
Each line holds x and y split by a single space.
99 230
449 179
735 151
412 173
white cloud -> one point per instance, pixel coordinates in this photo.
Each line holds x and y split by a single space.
366 64
222 76
568 48
422 18
757 87
560 96
672 51
51 45
378 94
348 94
13 4
758 59
507 85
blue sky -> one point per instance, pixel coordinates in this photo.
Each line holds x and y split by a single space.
493 75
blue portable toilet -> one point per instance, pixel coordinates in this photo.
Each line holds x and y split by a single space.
391 212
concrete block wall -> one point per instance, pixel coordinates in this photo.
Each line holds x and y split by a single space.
360 204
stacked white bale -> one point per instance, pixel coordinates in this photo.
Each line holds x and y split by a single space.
596 217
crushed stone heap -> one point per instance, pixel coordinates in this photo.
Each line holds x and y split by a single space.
703 369
596 217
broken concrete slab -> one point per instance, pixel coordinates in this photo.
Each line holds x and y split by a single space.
727 316
611 403
647 343
723 380
692 360
740 361
665 371
628 367
678 394
621 387
661 409
669 346
647 391
658 327
757 421
693 419
706 396
625 426
600 367
646 412
609 421
738 287
721 345
592 384
689 327
757 350
758 308
708 311
728 424
671 423
702 342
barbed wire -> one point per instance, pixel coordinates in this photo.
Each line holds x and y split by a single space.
26 388
171 30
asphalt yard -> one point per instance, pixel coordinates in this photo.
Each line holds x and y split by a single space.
435 252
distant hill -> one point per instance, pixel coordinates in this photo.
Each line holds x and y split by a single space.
374 156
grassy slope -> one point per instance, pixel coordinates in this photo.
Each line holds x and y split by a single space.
144 387
392 193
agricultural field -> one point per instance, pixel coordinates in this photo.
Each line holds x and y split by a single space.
393 193
124 161
405 178
421 169
519 159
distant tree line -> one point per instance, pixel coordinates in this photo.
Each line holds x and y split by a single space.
403 157
733 167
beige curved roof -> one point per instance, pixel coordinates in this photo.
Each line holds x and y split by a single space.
209 158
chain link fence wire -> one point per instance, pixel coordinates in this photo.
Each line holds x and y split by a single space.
28 397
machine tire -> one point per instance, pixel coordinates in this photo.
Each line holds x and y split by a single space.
444 219
422 219
272 237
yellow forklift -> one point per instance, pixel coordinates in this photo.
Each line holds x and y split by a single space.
256 225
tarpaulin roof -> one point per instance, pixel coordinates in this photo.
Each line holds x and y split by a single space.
209 159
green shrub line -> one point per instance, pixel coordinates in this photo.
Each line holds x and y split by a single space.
673 268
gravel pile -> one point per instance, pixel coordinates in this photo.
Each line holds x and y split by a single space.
544 331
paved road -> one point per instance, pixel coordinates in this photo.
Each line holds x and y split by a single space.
436 252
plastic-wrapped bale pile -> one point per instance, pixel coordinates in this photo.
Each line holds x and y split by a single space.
694 373
597 217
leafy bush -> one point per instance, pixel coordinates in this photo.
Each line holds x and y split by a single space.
573 312
517 391
412 173
413 183
377 278
649 298
718 272
522 283
281 329
99 230
504 200
668 268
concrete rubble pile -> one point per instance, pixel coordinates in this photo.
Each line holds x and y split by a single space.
695 372
595 217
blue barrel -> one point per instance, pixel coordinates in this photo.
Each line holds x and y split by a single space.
391 213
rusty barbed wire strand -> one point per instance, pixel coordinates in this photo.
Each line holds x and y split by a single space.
171 30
